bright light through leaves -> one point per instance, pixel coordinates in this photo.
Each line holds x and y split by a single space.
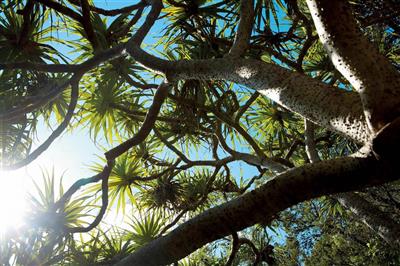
12 199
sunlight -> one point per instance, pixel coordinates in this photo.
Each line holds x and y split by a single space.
12 199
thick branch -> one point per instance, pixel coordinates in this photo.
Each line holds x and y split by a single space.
328 106
262 205
371 74
371 216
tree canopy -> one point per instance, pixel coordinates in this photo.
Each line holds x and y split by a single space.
225 124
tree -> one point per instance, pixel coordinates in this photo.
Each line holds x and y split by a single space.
314 107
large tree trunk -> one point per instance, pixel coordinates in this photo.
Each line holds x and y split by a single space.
370 73
263 205
371 216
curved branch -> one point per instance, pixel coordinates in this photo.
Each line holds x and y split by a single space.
104 175
147 125
234 249
358 60
262 204
55 134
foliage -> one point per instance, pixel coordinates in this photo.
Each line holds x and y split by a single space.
195 153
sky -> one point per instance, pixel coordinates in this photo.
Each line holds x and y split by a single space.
69 156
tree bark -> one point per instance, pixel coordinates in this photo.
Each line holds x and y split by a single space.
323 104
370 215
262 205
360 62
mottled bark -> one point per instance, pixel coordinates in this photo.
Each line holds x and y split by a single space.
321 103
262 205
358 60
366 212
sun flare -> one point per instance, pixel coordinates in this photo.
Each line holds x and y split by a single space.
12 199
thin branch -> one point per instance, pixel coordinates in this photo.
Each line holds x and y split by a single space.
33 104
147 125
243 33
155 176
309 140
61 9
87 24
234 249
54 135
105 174
113 12
171 146
262 161
51 68
246 241
141 114
174 222
141 33
246 106
27 16
79 70
251 182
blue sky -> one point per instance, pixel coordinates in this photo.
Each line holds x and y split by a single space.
72 153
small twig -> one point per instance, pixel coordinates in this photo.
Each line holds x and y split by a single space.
246 106
113 12
171 146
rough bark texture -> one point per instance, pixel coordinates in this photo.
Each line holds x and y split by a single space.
375 103
358 60
370 215
323 104
262 205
